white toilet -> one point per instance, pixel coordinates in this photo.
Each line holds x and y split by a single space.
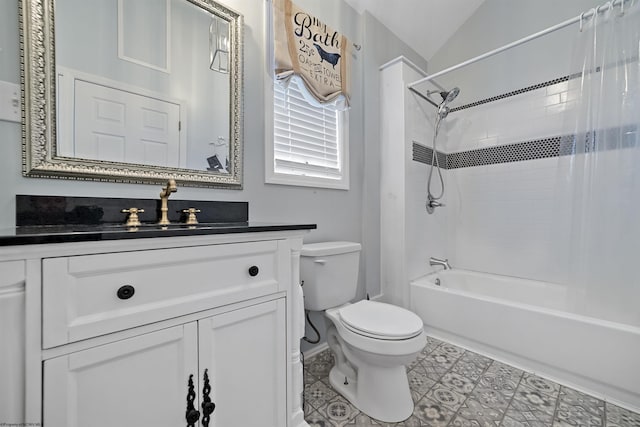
372 341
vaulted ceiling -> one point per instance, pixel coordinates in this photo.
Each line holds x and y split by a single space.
425 25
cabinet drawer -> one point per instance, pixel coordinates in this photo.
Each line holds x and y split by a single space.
91 295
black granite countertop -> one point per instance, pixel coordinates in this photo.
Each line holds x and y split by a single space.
41 234
60 219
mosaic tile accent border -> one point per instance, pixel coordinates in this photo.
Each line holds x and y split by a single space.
517 92
424 155
521 151
626 136
517 152
526 150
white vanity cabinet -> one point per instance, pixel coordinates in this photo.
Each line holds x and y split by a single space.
143 380
116 329
12 306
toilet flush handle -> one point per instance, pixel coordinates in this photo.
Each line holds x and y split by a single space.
320 261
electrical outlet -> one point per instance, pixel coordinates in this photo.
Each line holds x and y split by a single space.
9 102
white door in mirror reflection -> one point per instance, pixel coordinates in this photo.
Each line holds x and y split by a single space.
115 125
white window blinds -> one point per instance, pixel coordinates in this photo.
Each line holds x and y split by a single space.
306 137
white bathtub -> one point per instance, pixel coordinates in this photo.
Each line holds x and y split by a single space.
523 322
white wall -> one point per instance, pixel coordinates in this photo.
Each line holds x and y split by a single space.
380 47
409 235
395 149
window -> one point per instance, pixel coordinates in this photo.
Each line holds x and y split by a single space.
309 147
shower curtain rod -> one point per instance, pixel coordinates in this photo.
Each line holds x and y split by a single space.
574 20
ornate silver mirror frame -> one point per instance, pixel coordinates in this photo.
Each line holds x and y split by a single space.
39 144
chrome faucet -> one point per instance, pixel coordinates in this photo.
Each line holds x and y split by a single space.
171 187
432 204
438 261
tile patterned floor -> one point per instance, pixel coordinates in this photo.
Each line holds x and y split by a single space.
454 387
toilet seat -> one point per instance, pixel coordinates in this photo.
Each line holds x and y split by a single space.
380 321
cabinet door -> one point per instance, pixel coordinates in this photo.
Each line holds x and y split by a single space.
244 352
140 381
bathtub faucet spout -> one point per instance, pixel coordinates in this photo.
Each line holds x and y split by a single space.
438 261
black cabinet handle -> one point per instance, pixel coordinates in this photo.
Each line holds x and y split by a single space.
253 271
126 292
192 416
207 405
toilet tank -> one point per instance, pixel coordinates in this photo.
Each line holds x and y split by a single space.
329 271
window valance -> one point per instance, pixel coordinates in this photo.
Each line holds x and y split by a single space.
309 49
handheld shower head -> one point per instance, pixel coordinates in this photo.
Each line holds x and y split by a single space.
448 97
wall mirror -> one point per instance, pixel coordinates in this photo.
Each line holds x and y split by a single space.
134 91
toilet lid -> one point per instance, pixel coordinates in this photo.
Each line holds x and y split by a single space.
380 320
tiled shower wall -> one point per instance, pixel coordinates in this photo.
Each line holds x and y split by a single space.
508 205
510 196
503 212
502 218
508 208
527 116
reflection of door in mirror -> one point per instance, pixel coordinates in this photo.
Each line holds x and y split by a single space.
116 125
128 72
124 127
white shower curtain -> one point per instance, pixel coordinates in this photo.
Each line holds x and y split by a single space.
599 184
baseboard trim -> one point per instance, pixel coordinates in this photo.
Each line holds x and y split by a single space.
315 350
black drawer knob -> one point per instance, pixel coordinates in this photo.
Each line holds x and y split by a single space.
126 292
253 271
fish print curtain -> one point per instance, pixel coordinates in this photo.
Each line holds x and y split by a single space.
310 50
